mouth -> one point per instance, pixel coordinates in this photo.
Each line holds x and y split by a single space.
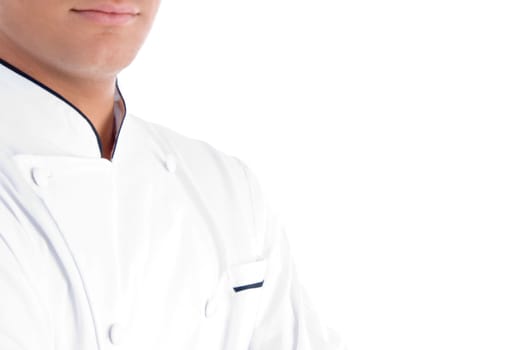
108 14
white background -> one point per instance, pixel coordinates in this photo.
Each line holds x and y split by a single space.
390 137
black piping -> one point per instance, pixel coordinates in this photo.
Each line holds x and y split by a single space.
248 286
59 96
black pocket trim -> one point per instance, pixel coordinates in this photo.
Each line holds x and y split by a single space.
248 286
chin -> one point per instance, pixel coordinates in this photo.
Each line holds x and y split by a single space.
103 65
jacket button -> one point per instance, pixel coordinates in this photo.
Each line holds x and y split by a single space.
41 176
170 163
116 334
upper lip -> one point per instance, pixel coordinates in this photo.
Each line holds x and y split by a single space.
111 8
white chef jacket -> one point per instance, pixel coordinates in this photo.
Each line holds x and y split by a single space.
168 245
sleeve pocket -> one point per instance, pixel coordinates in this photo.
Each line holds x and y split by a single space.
238 285
247 276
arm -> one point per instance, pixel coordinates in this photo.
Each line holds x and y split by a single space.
286 319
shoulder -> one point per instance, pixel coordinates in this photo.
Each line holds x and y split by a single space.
224 182
198 155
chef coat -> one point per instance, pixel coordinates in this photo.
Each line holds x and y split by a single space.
168 245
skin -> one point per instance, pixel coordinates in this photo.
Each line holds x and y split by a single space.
78 58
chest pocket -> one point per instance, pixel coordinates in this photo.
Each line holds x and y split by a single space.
236 301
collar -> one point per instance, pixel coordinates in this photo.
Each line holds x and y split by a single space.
36 119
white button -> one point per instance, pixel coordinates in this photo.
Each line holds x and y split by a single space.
210 307
170 163
41 176
116 334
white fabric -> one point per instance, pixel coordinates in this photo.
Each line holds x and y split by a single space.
140 252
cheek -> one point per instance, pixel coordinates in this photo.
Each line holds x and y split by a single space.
19 22
137 34
151 9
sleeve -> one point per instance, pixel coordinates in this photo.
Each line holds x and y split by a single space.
287 319
23 324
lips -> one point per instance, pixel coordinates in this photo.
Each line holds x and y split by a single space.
117 9
108 14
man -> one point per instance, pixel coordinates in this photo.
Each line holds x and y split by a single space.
120 233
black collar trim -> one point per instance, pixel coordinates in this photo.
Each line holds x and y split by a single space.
59 96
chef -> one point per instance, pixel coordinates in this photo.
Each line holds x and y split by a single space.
116 232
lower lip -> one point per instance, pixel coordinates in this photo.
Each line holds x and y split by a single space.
106 18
